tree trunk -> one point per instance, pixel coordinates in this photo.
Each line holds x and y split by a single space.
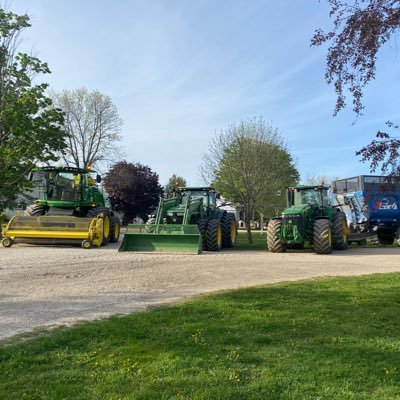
261 222
248 227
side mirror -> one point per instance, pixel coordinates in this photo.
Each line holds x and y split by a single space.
98 178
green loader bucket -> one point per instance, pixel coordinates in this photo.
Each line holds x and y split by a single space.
165 238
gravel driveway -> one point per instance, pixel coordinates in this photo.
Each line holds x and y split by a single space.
47 286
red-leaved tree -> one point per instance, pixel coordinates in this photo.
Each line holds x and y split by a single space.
133 189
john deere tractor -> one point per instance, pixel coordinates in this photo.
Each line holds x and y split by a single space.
187 223
70 207
309 219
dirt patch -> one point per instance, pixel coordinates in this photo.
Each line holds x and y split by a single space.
45 286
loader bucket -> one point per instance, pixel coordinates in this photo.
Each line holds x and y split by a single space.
165 238
54 229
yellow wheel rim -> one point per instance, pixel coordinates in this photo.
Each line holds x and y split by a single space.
116 230
6 242
87 244
219 236
233 231
106 226
344 230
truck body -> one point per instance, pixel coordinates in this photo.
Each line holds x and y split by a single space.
372 206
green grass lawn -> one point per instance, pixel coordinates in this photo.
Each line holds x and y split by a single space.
259 241
323 339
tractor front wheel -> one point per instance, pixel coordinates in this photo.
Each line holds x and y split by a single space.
214 235
275 244
202 225
322 237
115 229
229 230
104 213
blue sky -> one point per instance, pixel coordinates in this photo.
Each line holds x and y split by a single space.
179 71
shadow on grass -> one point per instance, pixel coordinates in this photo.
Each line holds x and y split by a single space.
328 339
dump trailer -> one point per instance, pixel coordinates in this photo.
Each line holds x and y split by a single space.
187 223
69 207
372 207
309 219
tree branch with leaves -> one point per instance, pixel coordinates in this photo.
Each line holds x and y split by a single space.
360 29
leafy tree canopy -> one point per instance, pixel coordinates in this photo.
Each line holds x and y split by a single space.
250 165
133 189
30 128
173 184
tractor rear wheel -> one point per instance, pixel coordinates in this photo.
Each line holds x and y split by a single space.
275 244
229 230
214 235
340 231
202 225
322 236
115 228
36 210
105 215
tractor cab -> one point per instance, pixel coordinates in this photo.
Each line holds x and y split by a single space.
206 194
315 196
64 185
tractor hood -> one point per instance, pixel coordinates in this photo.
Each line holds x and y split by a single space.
296 210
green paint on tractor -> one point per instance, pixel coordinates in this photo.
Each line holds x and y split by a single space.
308 220
188 223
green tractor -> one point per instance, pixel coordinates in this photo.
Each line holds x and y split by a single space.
187 223
69 203
308 219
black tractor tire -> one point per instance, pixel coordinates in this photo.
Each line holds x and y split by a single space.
115 229
274 242
105 212
229 230
384 238
36 210
214 235
202 225
340 231
322 237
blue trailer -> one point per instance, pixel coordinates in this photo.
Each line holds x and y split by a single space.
372 207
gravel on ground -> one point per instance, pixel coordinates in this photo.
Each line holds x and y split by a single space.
42 286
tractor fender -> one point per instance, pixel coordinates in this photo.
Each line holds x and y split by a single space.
220 215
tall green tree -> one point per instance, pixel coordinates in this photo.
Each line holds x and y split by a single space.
360 29
249 164
173 184
30 127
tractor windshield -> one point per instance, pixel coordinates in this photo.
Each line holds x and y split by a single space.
313 197
196 195
57 185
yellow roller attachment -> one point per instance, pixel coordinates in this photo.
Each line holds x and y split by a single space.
57 228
